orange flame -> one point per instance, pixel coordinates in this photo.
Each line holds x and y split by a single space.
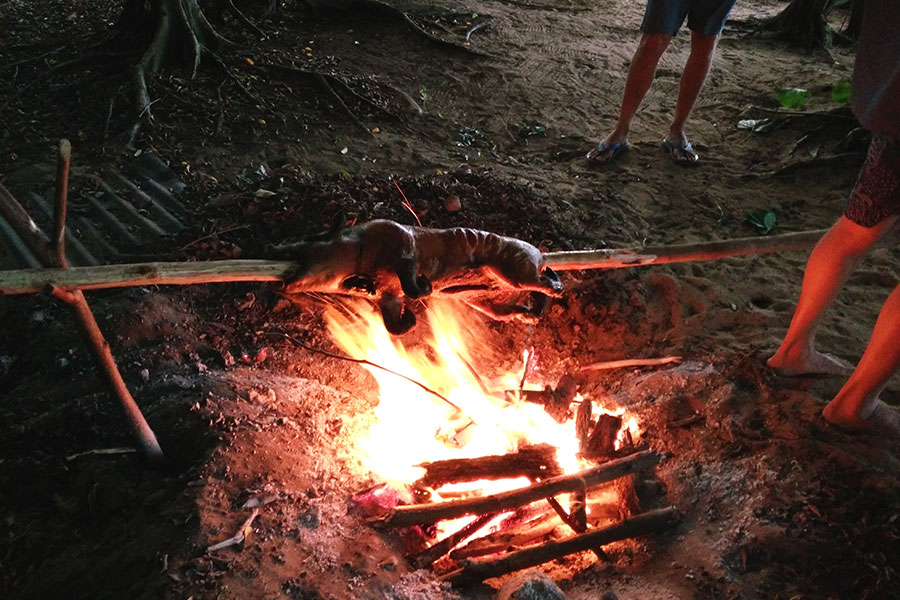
414 426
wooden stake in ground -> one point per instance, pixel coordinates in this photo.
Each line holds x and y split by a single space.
52 253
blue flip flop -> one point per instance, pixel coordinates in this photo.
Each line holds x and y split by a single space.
604 154
682 153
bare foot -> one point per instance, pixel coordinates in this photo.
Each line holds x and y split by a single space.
884 420
817 363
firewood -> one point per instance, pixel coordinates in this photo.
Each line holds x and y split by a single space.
602 441
479 570
439 549
630 362
583 423
419 514
517 537
533 461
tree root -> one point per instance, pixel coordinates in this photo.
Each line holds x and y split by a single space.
181 29
842 159
385 7
328 81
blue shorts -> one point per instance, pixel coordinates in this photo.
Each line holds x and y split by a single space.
703 16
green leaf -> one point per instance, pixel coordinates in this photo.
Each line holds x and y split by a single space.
840 91
763 220
792 97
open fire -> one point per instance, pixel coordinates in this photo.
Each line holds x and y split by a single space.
447 434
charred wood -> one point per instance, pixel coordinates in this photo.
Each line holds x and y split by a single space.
515 538
439 549
536 461
480 570
403 516
602 441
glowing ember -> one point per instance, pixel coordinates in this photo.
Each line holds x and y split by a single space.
415 426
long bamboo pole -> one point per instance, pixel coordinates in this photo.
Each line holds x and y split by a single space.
33 281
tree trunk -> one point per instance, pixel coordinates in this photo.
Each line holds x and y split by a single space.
803 22
169 31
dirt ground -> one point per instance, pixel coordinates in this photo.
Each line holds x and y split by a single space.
775 503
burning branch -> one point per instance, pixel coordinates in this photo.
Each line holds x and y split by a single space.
649 522
419 514
534 461
439 549
526 533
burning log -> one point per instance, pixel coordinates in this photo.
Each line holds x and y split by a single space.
555 401
419 514
651 522
439 549
602 440
527 533
537 461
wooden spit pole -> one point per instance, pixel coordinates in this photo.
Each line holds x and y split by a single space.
34 281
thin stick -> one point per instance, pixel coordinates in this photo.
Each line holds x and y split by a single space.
419 514
62 194
479 570
369 363
630 362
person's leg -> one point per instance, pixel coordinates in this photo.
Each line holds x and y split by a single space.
662 20
856 405
832 261
640 76
703 48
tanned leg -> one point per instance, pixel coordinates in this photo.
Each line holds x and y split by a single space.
832 261
703 48
856 405
640 76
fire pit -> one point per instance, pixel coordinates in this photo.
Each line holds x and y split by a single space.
494 465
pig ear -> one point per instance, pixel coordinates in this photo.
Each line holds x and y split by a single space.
338 220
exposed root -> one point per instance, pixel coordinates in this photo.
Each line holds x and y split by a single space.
243 19
327 81
323 81
384 6
182 30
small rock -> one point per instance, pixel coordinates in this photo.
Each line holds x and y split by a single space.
453 204
530 585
